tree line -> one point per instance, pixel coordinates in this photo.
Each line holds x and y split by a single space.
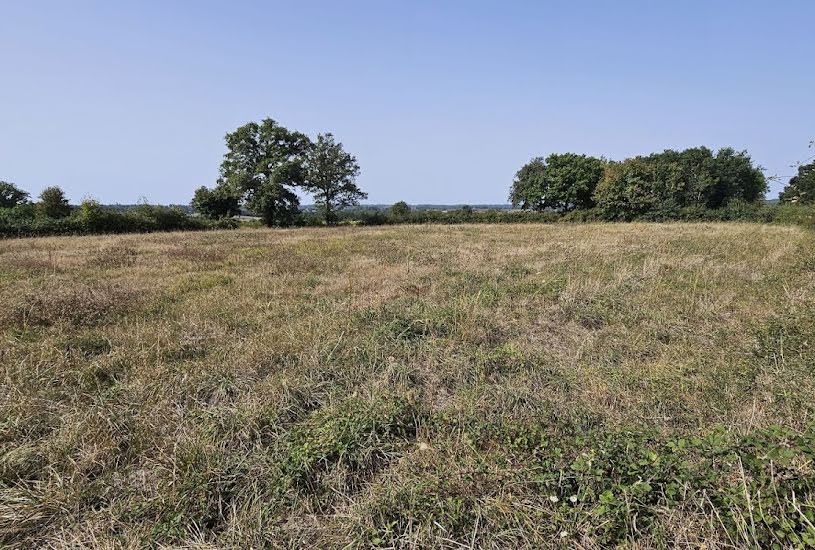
267 167
640 187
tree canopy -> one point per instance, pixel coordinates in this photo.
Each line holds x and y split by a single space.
11 195
220 202
263 166
676 179
54 203
400 209
801 187
560 182
331 177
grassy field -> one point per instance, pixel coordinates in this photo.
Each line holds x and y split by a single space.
439 386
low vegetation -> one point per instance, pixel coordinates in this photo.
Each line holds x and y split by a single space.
267 167
567 385
58 218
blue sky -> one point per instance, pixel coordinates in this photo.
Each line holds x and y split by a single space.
441 101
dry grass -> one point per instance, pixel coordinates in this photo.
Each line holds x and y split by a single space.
409 387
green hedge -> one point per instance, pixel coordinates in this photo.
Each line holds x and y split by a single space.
735 211
91 218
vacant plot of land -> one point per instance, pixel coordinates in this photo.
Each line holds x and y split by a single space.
462 386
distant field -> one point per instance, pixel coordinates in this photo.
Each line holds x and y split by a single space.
410 386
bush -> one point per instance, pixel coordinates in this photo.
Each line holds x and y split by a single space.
54 203
92 218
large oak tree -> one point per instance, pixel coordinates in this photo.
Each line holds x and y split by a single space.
559 182
264 165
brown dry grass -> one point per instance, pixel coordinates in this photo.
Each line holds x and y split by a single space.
365 386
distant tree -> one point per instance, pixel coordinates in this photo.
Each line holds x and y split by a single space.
801 187
53 203
11 195
735 178
217 203
331 177
264 163
560 181
400 209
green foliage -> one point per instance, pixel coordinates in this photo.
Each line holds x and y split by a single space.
215 204
659 185
801 187
11 195
91 217
734 178
53 203
561 182
87 345
735 210
622 483
264 163
331 175
400 210
357 434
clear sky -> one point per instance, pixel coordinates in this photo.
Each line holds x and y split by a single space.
441 101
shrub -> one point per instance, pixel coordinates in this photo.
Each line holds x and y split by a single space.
54 203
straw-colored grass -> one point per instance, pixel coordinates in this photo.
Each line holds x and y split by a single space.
584 386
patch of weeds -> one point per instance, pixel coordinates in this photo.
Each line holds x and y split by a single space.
445 504
201 281
86 346
788 337
517 271
115 256
241 325
255 252
551 288
409 328
409 320
500 360
218 389
311 281
358 435
623 483
355 439
25 334
590 314
106 373
206 483
782 363
21 463
468 283
197 253
72 302
188 348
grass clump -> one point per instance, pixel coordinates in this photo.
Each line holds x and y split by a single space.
64 302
